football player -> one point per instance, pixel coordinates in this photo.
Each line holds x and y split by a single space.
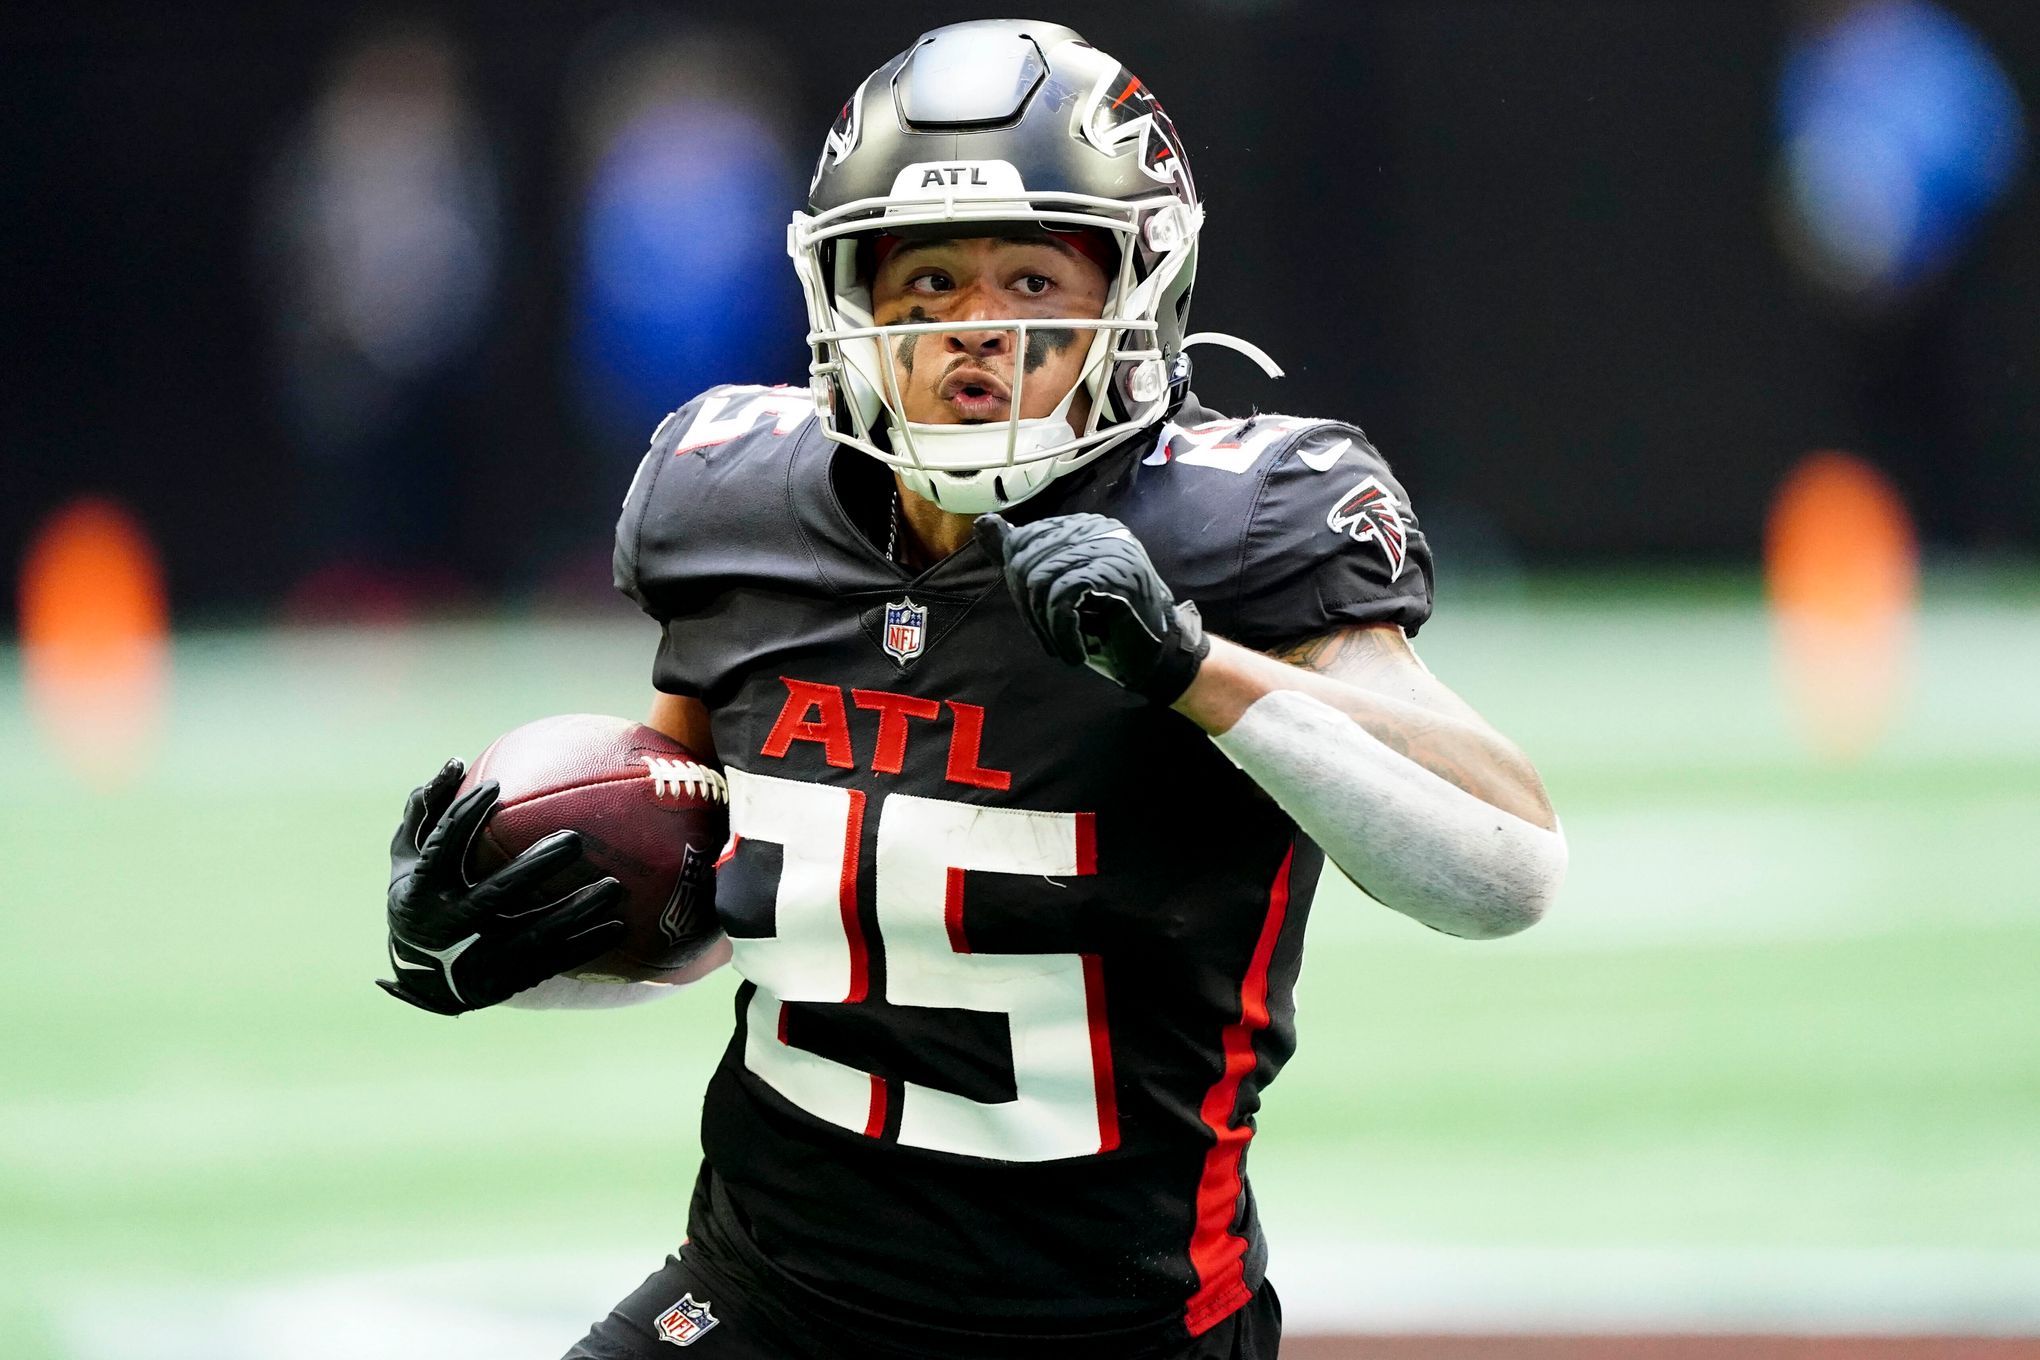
1043 692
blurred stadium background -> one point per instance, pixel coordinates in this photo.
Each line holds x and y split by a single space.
1705 336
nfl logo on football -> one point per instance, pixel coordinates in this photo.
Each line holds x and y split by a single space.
686 1322
906 630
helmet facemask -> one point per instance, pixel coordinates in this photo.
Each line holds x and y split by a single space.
966 468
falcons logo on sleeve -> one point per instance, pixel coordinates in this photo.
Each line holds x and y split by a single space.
1369 514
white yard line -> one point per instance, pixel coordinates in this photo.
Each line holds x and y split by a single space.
537 1306
1330 1286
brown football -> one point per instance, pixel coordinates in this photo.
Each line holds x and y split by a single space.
650 813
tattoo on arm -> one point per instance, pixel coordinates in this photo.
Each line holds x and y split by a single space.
1418 718
1354 655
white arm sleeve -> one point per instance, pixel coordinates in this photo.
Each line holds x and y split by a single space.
565 993
1407 837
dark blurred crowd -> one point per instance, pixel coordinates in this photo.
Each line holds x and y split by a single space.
367 313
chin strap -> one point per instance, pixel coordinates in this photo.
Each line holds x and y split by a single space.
1028 436
1237 346
1026 475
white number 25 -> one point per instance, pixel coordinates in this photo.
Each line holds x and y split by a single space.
1054 1004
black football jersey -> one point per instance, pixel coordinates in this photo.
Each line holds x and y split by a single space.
1018 948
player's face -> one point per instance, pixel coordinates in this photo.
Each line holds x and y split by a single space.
964 376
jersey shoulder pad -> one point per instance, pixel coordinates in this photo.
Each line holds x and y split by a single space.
706 460
1327 537
1240 445
735 415
1332 540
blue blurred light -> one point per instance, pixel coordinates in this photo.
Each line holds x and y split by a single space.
1900 130
683 281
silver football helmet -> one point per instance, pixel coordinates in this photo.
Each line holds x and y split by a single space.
975 128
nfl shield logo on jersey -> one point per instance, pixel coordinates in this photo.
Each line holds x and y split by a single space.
686 1322
906 630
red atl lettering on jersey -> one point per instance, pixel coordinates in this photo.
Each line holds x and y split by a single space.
893 711
830 725
964 739
816 712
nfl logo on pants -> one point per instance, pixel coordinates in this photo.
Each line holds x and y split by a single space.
906 630
686 1322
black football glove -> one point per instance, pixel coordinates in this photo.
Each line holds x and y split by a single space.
1086 586
458 946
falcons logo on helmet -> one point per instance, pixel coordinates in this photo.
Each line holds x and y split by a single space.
1369 514
1122 110
843 136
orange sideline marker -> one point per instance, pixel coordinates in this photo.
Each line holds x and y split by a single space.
1842 568
95 640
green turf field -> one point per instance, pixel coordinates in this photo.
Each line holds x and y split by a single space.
1782 1005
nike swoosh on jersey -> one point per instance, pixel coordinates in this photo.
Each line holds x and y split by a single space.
1322 460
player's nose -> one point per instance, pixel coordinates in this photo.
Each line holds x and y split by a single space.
980 344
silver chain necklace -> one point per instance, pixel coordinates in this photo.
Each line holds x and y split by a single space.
892 535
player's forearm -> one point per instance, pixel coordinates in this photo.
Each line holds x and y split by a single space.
1464 752
1413 839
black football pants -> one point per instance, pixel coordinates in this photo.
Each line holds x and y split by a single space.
654 1324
